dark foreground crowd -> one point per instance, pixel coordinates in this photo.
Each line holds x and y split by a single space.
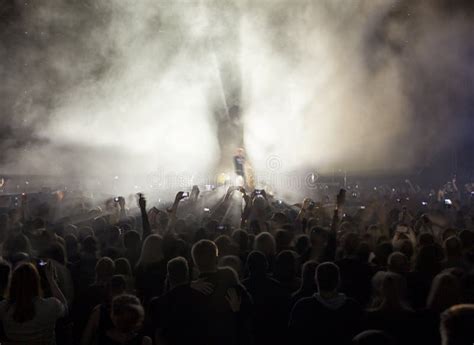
389 267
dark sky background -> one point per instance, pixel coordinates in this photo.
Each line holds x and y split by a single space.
39 49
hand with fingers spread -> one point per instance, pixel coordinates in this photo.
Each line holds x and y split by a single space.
234 300
203 287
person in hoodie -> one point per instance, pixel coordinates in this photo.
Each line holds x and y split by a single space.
327 317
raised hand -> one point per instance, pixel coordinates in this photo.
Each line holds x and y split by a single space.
141 201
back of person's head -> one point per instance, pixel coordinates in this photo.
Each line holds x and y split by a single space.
24 288
104 269
122 266
382 252
16 243
319 237
425 239
285 266
5 270
257 264
363 252
393 292
456 325
398 263
373 337
127 313
283 239
406 247
84 232
178 271
204 255
307 274
428 259
225 245
71 245
152 250
265 243
302 244
350 244
453 247
241 238
89 245
57 252
117 285
327 277
445 292
131 240
233 262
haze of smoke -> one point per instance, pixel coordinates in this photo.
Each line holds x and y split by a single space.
124 86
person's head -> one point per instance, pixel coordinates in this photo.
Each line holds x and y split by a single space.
126 313
204 255
233 262
285 266
392 292
177 271
453 247
406 247
89 245
363 252
265 243
71 245
152 250
104 270
16 243
240 151
302 244
225 245
428 260
307 275
241 238
57 252
398 263
425 239
350 244
382 252
319 237
24 288
122 266
445 292
283 239
5 270
257 264
456 325
327 278
116 286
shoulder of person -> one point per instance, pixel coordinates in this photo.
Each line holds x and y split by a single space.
53 304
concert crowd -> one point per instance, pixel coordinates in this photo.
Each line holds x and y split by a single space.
235 266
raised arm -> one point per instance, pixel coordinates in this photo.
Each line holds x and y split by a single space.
146 228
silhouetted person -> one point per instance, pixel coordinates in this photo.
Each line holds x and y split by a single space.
321 318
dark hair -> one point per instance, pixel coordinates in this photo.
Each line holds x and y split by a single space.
285 266
307 275
257 263
456 325
127 313
178 270
24 288
131 240
123 267
204 254
327 276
